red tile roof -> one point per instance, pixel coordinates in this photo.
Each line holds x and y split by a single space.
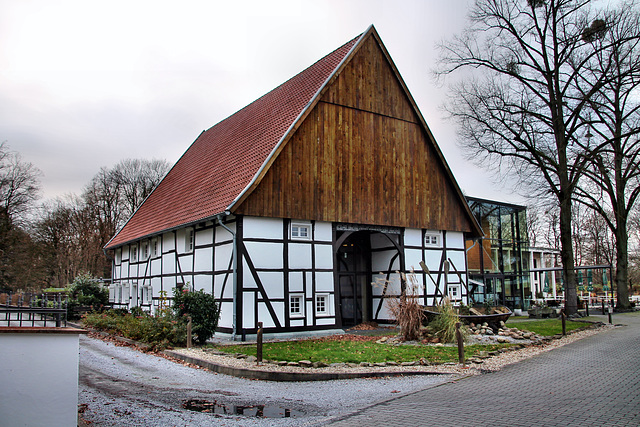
223 160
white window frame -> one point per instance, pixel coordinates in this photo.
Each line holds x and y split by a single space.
296 231
325 303
454 292
433 239
133 253
145 250
113 293
189 240
296 305
147 292
154 247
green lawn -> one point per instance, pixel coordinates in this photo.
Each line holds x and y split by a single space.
357 351
545 327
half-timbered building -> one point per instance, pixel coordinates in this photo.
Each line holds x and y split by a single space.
288 210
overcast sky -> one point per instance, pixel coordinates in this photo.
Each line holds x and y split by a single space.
85 84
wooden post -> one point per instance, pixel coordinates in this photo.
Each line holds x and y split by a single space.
564 323
587 305
460 343
259 343
189 332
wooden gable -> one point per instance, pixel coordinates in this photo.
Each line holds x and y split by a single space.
362 154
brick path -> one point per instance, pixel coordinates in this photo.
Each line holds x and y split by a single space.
594 381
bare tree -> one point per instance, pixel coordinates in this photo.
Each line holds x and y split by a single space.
611 183
19 187
19 184
136 179
524 103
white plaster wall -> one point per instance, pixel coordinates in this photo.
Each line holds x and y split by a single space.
265 255
222 235
413 258
204 237
262 228
224 257
380 260
455 240
204 259
324 281
202 281
324 257
432 260
186 263
168 242
156 266
299 255
458 260
39 379
295 281
248 307
323 232
226 315
412 237
168 263
273 283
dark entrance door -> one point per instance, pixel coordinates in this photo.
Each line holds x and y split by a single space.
354 278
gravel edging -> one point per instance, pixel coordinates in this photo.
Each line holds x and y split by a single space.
268 371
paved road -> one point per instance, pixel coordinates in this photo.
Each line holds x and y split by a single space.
591 382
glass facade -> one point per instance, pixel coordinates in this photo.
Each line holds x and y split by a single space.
497 263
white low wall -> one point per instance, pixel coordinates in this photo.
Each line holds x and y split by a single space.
39 373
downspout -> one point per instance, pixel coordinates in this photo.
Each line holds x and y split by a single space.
235 275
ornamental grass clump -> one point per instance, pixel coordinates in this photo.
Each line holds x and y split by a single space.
444 324
406 310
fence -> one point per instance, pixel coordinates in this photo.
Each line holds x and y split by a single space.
28 309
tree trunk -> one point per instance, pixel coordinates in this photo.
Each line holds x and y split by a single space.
622 266
566 254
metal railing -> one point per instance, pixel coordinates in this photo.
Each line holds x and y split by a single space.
26 309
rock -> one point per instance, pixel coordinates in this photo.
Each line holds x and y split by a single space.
282 363
338 365
527 335
424 362
392 363
489 331
251 359
319 365
380 364
365 364
485 325
383 339
408 363
241 356
503 340
502 325
352 365
293 364
305 363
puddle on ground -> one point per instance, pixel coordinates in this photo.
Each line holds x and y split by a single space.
261 411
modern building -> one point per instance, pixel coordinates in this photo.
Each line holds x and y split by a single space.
498 264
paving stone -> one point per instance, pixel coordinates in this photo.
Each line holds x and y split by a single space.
590 382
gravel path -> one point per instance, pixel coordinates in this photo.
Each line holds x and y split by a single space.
121 386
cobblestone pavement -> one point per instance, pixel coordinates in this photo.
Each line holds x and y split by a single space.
591 382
